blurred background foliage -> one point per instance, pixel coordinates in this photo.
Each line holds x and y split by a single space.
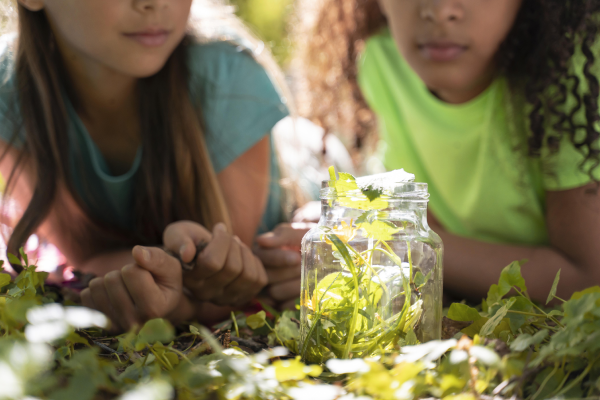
269 20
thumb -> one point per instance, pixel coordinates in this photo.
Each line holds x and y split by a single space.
165 269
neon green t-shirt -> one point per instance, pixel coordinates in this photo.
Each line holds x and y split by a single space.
473 156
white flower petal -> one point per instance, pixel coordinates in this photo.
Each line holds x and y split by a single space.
11 386
458 356
46 332
347 366
82 317
45 313
315 392
154 390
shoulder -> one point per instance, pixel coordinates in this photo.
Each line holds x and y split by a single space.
7 64
217 63
238 100
9 112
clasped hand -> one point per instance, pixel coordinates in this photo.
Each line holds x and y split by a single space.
225 273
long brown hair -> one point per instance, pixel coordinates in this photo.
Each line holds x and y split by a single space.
535 58
177 179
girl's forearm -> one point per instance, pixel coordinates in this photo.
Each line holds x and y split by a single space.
471 267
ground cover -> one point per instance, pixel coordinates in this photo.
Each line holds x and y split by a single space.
507 347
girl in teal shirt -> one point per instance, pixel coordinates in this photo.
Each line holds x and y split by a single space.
119 128
493 103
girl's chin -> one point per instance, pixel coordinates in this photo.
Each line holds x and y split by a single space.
143 69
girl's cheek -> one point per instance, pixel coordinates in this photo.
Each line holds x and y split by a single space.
94 32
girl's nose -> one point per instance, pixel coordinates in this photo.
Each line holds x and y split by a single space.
442 10
149 5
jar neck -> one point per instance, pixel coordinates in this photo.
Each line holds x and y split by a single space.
333 212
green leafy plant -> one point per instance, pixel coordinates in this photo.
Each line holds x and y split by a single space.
509 347
348 311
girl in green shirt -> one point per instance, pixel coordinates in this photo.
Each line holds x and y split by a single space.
121 133
493 103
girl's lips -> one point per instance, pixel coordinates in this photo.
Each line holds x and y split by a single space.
149 38
442 52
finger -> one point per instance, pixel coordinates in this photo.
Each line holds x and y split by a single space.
214 286
86 299
278 258
166 270
101 301
248 283
212 259
149 300
286 290
120 299
283 274
182 237
282 235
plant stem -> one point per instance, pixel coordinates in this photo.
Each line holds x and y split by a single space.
180 354
557 322
276 335
579 378
537 393
385 289
237 331
526 313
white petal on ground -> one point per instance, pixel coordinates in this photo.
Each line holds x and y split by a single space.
82 317
315 392
10 384
485 355
45 313
426 352
347 366
154 390
46 332
458 356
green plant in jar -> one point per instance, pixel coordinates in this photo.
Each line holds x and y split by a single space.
371 269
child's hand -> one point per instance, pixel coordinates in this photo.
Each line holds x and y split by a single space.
150 288
279 251
225 272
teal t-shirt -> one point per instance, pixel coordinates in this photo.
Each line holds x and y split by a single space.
239 105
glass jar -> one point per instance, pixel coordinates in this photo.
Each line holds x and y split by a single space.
371 247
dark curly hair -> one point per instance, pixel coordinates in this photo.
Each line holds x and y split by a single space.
536 58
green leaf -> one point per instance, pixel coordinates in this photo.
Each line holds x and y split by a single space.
194 330
156 330
511 276
492 323
524 341
554 286
578 295
411 338
379 230
463 313
14 260
518 320
257 320
372 193
4 280
286 328
493 296
421 280
24 256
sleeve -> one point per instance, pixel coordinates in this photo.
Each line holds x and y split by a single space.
566 168
9 113
238 100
